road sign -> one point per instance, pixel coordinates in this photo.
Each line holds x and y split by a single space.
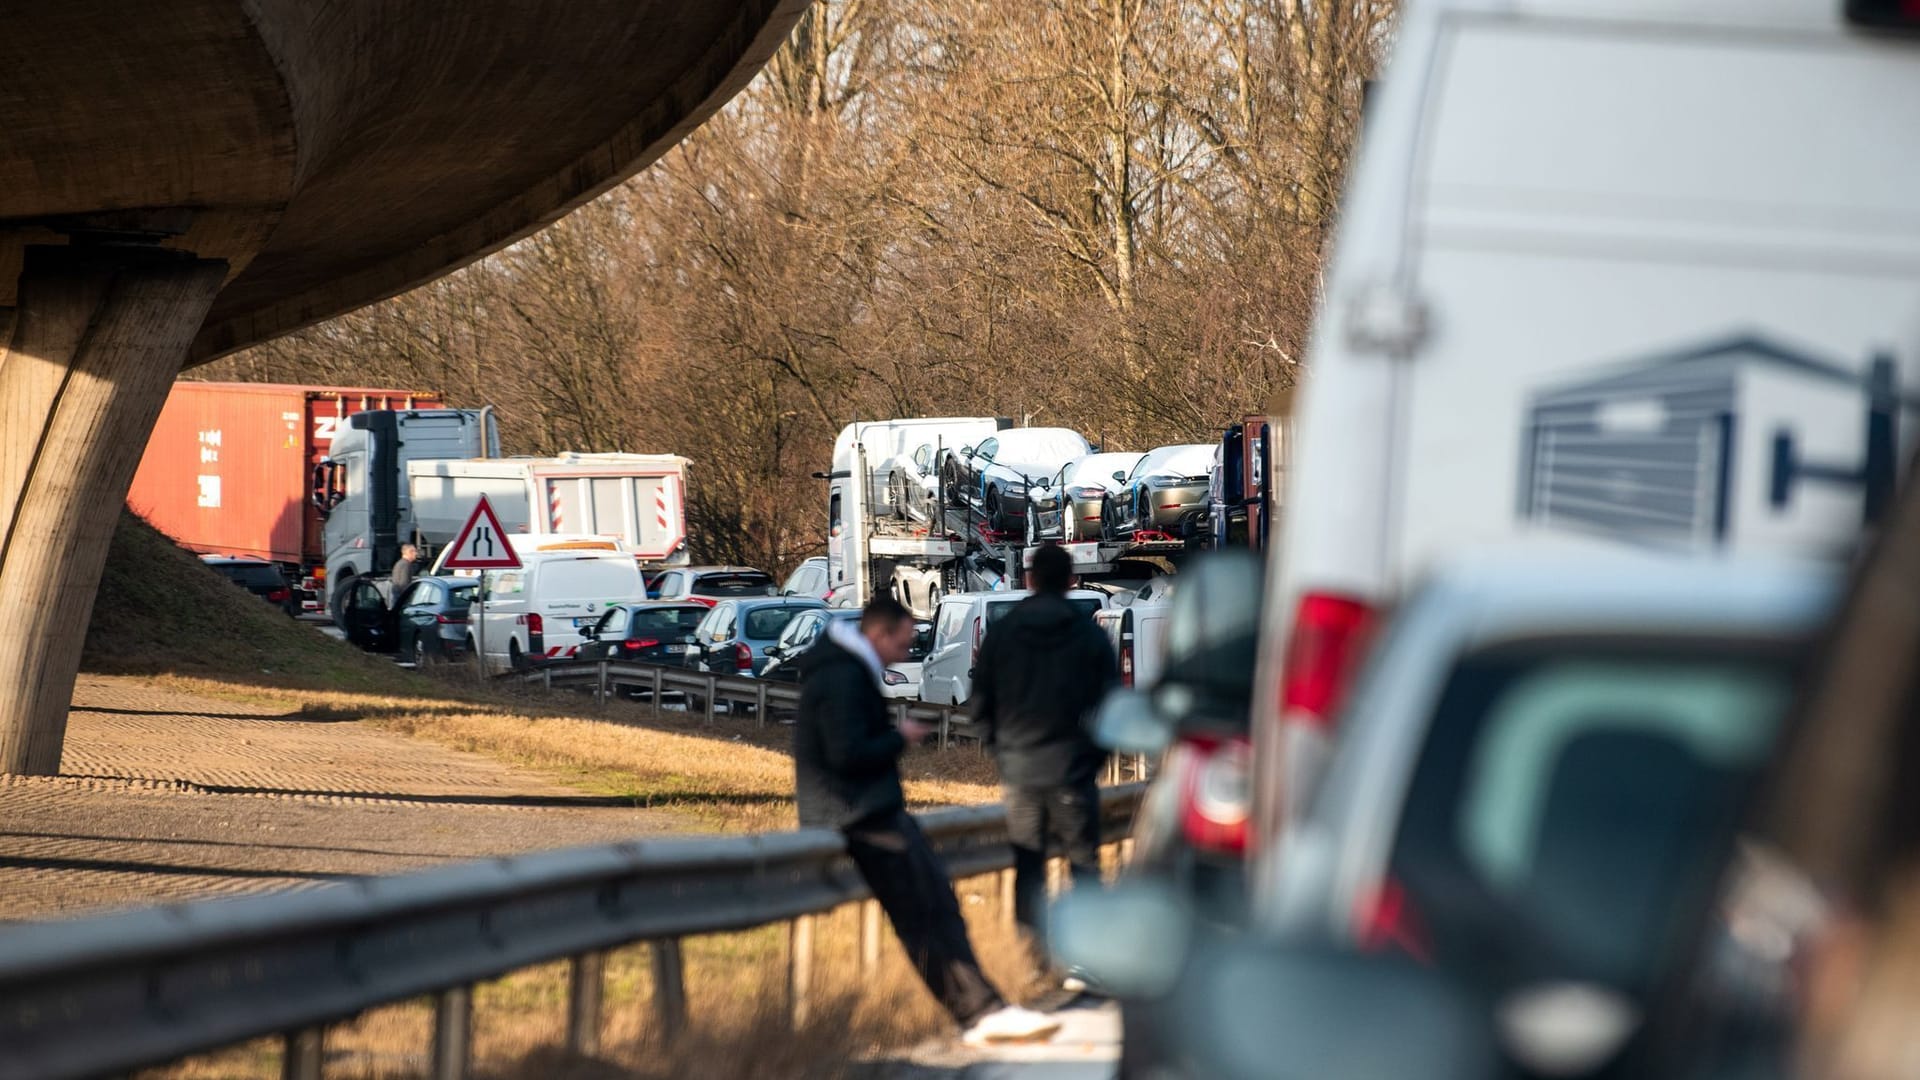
482 543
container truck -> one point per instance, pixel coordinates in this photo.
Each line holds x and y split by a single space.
227 469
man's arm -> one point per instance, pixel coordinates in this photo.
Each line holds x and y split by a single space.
843 743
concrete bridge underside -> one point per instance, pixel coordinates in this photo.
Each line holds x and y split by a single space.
182 178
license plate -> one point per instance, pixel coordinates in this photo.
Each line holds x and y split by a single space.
585 622
676 648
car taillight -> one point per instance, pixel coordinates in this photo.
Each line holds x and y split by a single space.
1385 919
742 657
703 601
533 623
450 620
1217 796
1329 638
643 643
278 596
1126 665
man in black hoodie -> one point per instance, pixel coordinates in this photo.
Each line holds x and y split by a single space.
847 777
1042 670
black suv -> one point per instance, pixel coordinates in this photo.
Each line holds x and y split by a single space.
259 577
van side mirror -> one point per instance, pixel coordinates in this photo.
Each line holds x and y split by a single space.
1128 722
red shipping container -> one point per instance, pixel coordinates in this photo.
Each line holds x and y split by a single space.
229 465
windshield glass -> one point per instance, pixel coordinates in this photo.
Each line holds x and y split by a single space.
1098 469
1192 460
679 621
765 623
589 579
749 584
1566 810
1040 445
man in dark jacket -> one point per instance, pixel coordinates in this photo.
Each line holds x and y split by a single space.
847 777
1042 670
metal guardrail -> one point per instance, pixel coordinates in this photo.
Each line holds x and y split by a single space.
605 677
109 994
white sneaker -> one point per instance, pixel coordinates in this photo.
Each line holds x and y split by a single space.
1010 1024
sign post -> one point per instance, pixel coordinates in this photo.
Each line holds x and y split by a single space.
481 546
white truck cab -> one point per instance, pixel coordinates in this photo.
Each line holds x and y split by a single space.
1639 273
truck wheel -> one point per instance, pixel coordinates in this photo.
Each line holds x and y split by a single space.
337 599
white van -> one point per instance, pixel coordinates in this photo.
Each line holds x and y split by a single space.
1138 631
960 625
1610 272
536 613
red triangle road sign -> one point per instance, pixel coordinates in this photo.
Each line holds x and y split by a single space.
482 543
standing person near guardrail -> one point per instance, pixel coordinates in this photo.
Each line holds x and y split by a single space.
846 757
1041 672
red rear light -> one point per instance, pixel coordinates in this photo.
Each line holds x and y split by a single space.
278 596
1216 794
703 601
1385 919
1329 637
1126 665
742 657
450 620
533 623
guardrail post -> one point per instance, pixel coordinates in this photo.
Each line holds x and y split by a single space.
600 691
303 1054
656 689
586 987
946 729
669 989
760 703
452 1033
869 938
799 969
713 690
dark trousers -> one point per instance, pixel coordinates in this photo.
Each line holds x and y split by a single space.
914 890
1069 814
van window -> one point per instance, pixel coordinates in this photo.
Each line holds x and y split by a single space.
997 608
952 624
506 583
589 579
1568 803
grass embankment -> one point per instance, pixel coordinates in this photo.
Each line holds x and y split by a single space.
161 614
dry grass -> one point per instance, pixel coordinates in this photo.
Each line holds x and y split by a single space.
737 1004
732 775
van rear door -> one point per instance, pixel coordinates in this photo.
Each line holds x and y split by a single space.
572 592
1671 281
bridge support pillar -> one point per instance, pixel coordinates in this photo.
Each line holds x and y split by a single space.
97 338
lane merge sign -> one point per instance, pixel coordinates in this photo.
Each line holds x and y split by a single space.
482 543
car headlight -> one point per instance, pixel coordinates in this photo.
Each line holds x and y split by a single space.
1016 489
895 678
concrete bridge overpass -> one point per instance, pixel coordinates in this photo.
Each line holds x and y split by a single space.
182 178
